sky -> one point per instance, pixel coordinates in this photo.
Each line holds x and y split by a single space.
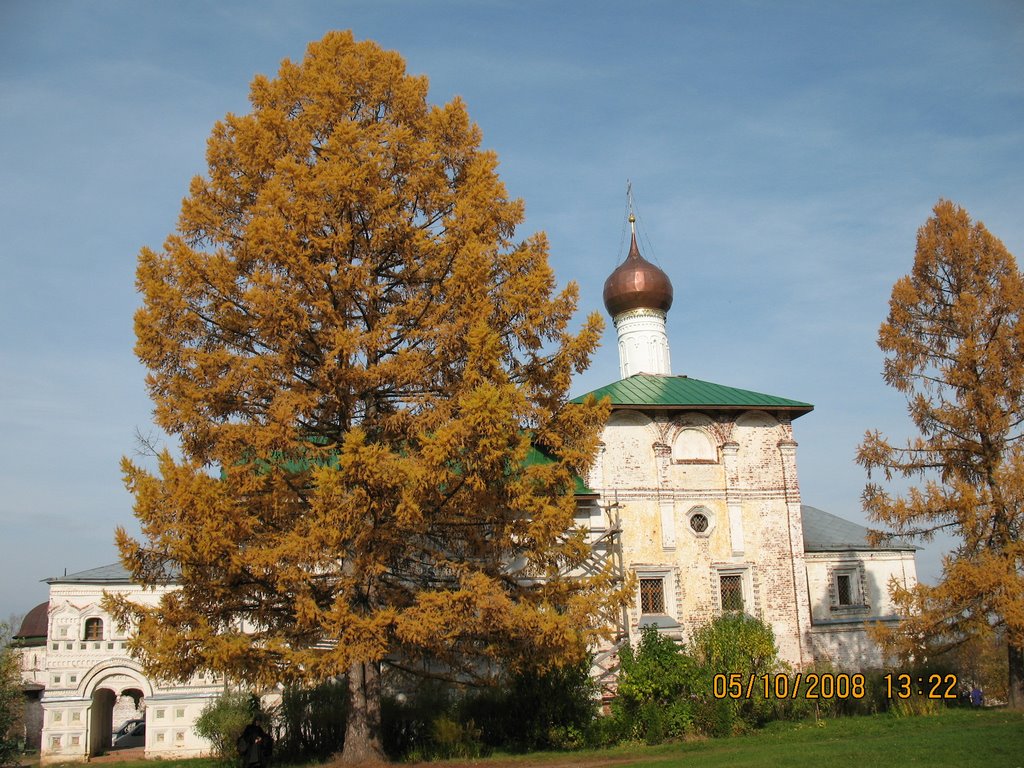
782 156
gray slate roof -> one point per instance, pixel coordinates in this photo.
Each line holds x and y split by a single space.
105 574
824 532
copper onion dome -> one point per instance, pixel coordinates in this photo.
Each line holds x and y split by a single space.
637 284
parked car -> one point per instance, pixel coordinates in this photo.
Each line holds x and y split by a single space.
132 733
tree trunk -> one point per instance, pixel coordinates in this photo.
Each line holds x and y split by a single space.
362 732
1016 687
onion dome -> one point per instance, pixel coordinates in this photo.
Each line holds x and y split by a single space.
34 625
636 284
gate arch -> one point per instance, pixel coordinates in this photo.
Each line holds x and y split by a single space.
103 685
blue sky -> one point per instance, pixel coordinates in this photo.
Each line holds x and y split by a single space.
782 154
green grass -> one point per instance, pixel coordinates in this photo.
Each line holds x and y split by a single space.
952 738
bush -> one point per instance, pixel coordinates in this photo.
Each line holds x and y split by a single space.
451 738
656 686
407 721
553 709
223 719
729 644
311 721
664 692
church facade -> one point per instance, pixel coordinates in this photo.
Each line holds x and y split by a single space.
695 493
696 484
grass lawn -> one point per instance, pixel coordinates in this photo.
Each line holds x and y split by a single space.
955 738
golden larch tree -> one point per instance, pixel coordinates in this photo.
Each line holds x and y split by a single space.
368 380
954 345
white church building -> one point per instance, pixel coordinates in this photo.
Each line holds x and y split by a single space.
694 491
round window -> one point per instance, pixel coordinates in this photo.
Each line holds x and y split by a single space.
699 522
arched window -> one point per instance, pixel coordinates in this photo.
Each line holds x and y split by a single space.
94 629
694 446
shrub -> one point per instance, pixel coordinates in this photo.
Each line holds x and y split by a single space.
407 722
451 739
311 721
223 719
657 682
729 644
553 709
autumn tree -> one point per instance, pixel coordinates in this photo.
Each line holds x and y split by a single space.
368 379
954 345
12 699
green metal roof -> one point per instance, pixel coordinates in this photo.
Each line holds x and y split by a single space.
644 390
537 455
295 464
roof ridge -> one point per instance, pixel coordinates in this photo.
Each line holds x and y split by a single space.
661 391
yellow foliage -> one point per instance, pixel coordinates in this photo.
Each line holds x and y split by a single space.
355 355
954 345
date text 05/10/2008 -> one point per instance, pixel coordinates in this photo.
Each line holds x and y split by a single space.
829 685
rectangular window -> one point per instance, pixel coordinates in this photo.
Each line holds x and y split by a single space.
75 741
160 713
732 591
76 717
55 742
844 589
652 596
179 713
94 629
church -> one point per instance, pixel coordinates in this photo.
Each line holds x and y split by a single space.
694 493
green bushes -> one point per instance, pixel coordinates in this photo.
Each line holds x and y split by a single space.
311 721
223 719
727 680
307 724
554 709
655 696
730 679
530 711
666 692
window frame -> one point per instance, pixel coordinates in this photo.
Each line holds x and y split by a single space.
708 514
660 594
746 593
91 624
667 618
855 572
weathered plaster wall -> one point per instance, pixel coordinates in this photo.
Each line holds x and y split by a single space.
660 470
